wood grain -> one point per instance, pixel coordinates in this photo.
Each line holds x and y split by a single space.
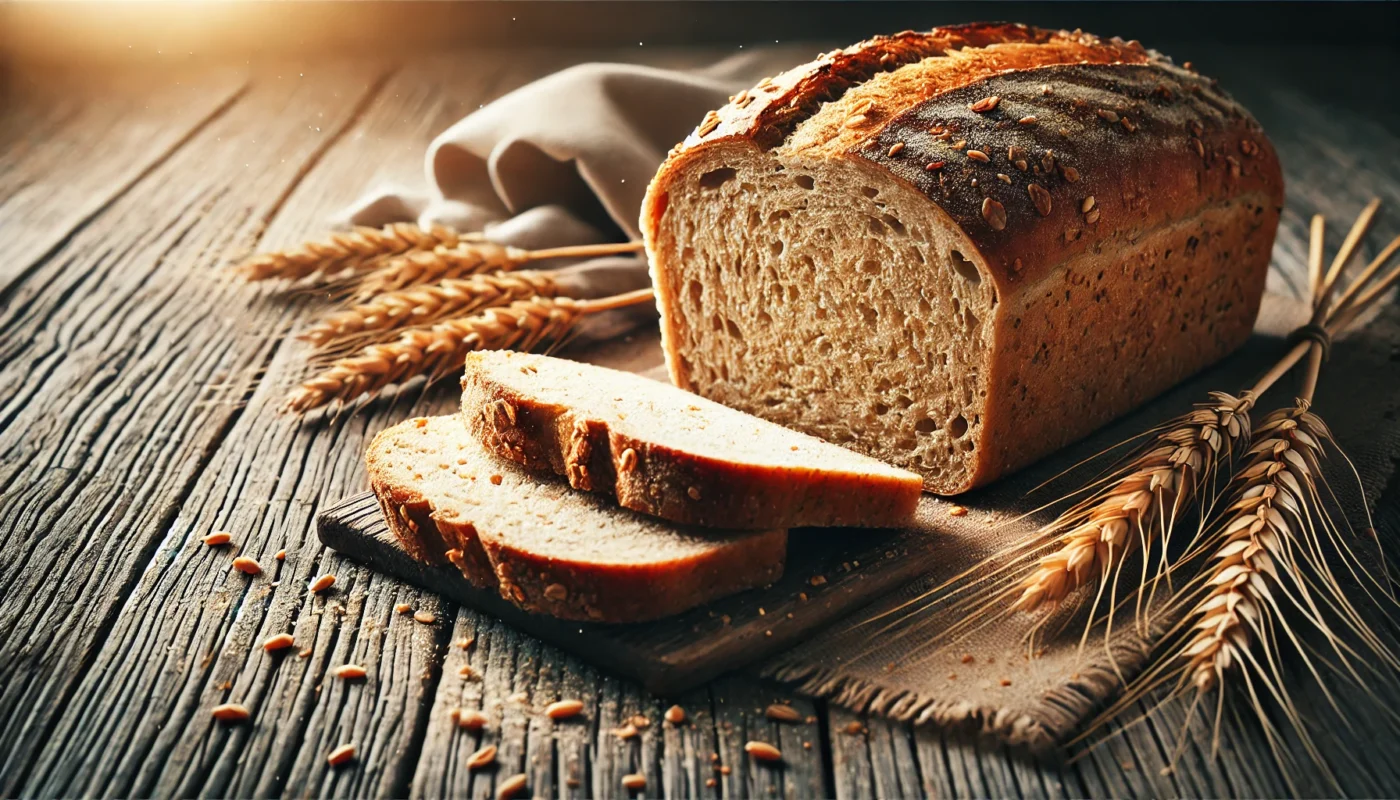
138 395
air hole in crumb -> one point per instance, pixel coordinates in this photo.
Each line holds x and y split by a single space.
716 323
716 178
733 330
696 290
895 224
926 425
958 427
805 181
881 409
870 267
780 215
776 248
747 188
824 346
964 267
869 191
870 315
764 319
957 306
971 319
903 402
877 228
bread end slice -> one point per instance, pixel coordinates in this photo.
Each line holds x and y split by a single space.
544 546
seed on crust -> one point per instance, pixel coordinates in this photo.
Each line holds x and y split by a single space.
341 755
634 782
1071 174
482 757
978 155
322 583
1248 147
960 144
693 492
1027 120
1041 198
675 715
1086 206
230 712
933 165
1199 148
781 713
1047 162
350 672
247 565
564 709
896 149
218 538
1092 216
994 213
556 591
855 120
279 642
763 751
1108 116
471 719
1128 125
628 462
985 104
510 787
425 617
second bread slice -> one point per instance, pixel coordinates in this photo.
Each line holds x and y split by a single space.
545 547
672 454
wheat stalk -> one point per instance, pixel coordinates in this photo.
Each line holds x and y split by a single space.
360 249
1141 504
422 305
470 259
440 348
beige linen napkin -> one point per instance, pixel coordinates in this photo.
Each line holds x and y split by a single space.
566 160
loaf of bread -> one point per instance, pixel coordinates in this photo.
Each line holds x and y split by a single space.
672 454
546 547
959 250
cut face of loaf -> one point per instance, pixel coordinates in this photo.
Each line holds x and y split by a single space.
670 453
546 547
958 251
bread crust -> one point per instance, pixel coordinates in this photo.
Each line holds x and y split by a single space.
1076 163
433 532
647 476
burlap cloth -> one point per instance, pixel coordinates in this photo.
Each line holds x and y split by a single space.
566 160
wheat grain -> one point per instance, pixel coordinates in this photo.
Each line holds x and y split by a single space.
439 348
361 248
422 305
1140 504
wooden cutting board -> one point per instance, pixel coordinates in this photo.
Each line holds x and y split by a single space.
829 573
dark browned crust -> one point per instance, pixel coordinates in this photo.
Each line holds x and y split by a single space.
1168 159
669 483
614 593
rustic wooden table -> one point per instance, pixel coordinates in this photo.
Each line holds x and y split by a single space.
139 388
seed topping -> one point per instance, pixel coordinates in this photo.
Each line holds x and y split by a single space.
978 155
1071 174
1041 198
1110 117
985 104
994 213
896 149
1086 206
934 165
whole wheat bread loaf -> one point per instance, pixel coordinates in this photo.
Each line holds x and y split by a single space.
546 547
962 249
670 453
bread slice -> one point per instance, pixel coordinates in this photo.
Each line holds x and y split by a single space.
670 453
544 546
961 249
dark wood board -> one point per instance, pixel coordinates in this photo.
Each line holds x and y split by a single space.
829 573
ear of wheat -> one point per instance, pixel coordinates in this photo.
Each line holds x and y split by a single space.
361 248
421 305
439 349
469 259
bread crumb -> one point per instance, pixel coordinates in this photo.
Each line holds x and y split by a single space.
218 539
957 511
1005 682
425 617
496 480
817 580
403 608
967 658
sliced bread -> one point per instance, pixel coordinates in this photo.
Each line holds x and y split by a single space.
544 546
672 454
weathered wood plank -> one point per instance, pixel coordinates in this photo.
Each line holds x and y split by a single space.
118 376
69 145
